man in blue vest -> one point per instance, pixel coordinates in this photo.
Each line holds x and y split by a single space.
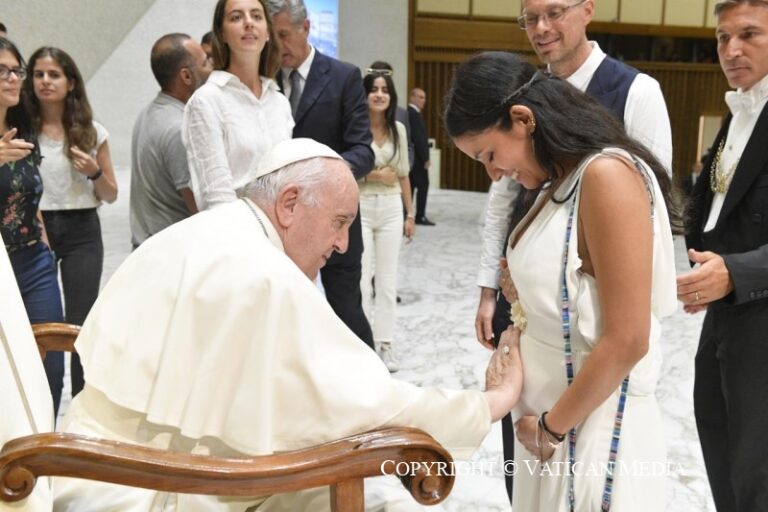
557 30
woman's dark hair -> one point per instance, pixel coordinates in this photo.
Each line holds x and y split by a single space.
269 59
17 116
569 124
77 117
389 114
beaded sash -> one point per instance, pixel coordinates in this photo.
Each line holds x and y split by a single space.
605 505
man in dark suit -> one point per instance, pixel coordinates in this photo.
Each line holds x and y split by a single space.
419 175
727 237
329 105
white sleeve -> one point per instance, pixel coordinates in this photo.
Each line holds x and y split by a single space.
501 200
203 136
647 120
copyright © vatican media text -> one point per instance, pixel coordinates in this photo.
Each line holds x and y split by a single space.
532 466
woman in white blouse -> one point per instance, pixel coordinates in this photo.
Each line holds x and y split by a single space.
239 113
77 176
384 193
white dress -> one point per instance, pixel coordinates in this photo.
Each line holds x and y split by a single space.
536 267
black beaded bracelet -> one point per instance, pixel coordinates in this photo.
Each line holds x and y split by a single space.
96 175
560 437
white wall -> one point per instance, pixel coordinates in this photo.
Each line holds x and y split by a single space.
124 83
86 29
372 30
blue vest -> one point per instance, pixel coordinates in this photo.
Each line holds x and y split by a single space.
610 85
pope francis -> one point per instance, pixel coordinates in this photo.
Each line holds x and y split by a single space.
213 338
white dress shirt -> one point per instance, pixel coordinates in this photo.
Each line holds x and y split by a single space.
645 119
746 107
226 130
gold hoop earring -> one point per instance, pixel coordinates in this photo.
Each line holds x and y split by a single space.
533 126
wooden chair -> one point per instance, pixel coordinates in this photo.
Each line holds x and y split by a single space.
341 464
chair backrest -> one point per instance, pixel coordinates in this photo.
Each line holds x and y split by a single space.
25 399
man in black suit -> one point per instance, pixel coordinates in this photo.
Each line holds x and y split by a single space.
329 105
727 237
419 175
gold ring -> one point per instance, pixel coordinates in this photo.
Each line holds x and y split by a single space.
697 296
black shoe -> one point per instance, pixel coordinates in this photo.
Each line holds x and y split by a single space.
423 221
398 299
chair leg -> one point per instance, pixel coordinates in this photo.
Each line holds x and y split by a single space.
348 496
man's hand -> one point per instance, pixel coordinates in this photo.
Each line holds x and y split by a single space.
504 376
484 317
708 282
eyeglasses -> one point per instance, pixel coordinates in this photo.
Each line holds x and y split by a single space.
552 15
5 72
379 72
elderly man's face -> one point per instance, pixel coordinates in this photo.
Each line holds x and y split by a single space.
291 40
319 231
742 44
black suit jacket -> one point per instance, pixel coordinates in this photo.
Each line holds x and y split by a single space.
420 141
333 110
741 233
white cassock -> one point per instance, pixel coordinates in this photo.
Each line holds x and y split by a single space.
209 339
25 399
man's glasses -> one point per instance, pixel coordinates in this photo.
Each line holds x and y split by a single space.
5 72
551 15
379 72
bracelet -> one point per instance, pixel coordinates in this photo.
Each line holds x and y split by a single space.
558 438
410 216
96 175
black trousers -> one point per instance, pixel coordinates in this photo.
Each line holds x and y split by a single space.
75 237
729 396
341 280
419 178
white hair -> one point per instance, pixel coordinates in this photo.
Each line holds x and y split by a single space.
297 11
309 175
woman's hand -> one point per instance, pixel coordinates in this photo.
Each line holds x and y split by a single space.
506 285
388 176
83 163
533 438
409 228
12 149
504 375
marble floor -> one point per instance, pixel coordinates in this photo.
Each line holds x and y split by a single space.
436 341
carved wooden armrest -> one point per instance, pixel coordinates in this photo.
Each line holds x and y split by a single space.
341 464
55 336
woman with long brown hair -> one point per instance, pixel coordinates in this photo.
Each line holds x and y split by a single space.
239 113
77 177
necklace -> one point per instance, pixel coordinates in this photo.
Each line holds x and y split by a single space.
256 214
721 178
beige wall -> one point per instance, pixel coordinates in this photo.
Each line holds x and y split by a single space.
443 6
689 13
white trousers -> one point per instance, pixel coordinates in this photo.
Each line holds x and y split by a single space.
382 219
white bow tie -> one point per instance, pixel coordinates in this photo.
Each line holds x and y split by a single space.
739 101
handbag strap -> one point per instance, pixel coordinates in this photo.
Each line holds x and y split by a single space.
568 350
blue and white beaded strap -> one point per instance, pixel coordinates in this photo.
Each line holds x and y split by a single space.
566 318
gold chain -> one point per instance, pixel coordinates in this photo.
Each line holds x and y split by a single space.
720 180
